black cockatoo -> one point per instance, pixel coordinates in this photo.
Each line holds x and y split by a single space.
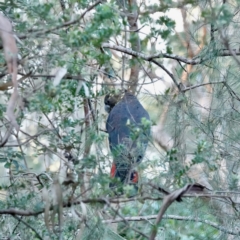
128 135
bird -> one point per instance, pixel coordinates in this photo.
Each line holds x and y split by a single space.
128 136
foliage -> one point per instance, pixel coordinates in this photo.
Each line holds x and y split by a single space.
180 58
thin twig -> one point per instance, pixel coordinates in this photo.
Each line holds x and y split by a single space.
29 226
123 220
227 45
200 85
28 140
51 123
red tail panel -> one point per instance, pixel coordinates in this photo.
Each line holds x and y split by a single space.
134 177
113 170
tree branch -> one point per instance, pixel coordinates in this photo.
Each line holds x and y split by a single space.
15 211
174 217
136 46
194 61
142 56
66 24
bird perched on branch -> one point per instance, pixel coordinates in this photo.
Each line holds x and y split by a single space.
128 127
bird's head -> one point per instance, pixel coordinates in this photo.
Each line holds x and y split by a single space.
111 100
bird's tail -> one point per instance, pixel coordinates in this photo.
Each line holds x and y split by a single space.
122 174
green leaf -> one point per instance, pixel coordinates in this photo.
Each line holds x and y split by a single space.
7 165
